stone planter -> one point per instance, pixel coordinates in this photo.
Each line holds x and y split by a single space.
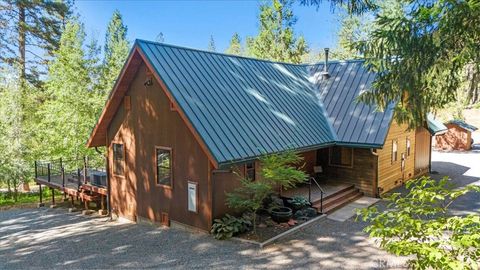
281 214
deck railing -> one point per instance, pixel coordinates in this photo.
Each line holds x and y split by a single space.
77 170
322 192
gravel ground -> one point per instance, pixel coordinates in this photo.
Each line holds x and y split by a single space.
53 238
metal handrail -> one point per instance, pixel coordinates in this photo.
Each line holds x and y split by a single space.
322 192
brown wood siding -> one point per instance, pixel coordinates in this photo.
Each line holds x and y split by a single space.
390 174
151 123
456 138
362 174
422 151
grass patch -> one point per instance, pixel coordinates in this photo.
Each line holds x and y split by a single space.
7 199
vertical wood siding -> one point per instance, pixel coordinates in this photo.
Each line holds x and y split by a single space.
422 151
150 123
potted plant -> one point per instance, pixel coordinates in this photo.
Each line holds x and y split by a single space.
281 214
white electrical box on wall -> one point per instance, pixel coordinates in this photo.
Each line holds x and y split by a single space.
192 196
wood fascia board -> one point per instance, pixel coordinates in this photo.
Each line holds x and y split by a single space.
180 111
113 101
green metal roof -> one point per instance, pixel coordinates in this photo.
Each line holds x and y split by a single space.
435 127
463 125
243 107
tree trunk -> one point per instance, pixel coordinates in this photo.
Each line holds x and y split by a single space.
21 43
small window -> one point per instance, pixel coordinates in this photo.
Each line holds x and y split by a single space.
250 171
118 159
164 166
394 151
341 156
408 147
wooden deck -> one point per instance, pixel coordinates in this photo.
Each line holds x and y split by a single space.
71 187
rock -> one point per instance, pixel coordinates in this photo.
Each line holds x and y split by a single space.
277 201
72 210
310 212
102 212
87 212
262 225
40 205
285 225
53 206
292 222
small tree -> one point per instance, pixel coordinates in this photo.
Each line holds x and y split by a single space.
419 224
276 170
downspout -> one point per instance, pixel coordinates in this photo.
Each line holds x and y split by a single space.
376 192
430 156
105 157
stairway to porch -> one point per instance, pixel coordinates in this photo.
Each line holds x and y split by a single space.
335 195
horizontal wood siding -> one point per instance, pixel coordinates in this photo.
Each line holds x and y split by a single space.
362 174
390 173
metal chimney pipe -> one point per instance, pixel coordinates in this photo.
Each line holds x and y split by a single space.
325 73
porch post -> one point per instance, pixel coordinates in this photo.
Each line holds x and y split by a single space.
53 197
40 204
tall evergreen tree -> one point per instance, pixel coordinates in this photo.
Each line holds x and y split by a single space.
14 164
29 29
420 53
276 39
116 51
235 45
211 44
68 116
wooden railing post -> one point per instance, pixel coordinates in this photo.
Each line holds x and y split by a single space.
78 178
40 204
48 172
85 164
36 170
63 183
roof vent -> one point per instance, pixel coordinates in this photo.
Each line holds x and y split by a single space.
325 73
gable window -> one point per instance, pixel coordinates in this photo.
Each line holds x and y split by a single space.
250 170
408 147
394 151
163 157
341 156
118 159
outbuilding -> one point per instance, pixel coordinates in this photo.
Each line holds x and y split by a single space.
457 137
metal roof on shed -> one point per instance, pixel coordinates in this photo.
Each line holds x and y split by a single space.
242 107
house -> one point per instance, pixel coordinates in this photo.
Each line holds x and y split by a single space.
180 122
458 136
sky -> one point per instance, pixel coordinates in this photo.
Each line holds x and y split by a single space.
191 23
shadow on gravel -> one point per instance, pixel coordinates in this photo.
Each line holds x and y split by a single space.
53 238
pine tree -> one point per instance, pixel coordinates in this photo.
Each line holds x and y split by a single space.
67 117
211 45
235 45
276 39
29 29
115 52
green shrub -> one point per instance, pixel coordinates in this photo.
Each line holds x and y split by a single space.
299 202
229 226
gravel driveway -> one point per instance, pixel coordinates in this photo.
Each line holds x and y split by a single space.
53 238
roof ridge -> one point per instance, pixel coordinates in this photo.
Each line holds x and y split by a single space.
244 57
